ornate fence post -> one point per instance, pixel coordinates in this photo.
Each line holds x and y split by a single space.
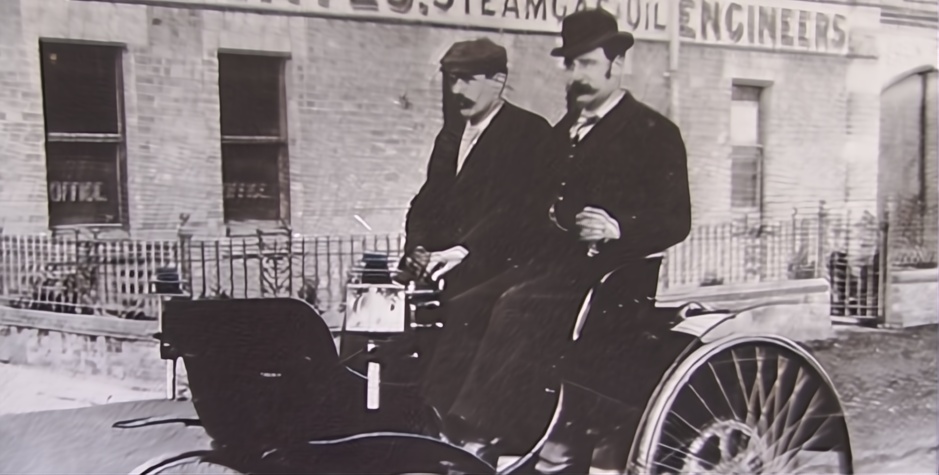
4 266
183 244
883 284
821 235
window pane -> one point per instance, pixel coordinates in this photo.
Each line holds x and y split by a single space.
83 183
250 94
745 177
251 180
80 88
745 123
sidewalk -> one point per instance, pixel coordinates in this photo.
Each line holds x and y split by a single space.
30 389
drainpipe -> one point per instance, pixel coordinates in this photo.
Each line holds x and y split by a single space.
674 43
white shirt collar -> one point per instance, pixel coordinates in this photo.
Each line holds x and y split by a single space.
472 133
584 124
607 105
482 124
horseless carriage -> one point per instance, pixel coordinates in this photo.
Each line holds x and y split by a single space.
276 395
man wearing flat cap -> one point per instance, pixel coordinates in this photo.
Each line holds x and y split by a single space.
620 199
466 215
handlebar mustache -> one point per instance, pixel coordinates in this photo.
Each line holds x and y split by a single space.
463 101
578 88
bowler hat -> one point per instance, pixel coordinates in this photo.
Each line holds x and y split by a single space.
589 29
479 56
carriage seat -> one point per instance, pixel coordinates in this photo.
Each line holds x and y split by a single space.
254 366
266 372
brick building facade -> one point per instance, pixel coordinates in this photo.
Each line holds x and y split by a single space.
125 114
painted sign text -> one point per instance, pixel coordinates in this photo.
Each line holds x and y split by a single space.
763 26
77 192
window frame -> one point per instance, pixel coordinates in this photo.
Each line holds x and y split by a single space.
118 138
281 140
750 154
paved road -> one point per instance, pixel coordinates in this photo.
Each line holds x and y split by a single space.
887 380
888 383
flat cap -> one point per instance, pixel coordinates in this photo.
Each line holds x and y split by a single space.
479 56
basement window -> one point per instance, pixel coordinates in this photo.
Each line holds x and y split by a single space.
84 130
254 138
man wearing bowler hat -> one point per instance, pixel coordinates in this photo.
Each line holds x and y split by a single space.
619 198
463 224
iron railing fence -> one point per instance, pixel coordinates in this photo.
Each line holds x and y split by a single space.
72 275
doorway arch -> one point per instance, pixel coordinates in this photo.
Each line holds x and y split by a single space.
907 172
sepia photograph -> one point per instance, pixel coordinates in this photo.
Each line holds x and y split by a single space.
469 237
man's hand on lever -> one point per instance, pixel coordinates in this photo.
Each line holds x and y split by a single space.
442 262
595 225
414 266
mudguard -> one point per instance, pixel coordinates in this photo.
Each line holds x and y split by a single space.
376 452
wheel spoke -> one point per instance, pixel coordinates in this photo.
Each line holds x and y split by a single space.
792 461
675 437
720 385
801 422
673 469
796 408
768 398
784 457
753 402
690 425
703 402
743 385
774 447
677 450
785 421
789 390
787 409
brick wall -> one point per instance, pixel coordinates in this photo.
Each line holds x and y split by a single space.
806 106
903 49
22 176
354 147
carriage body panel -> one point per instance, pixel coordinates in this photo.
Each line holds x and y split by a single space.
266 372
273 391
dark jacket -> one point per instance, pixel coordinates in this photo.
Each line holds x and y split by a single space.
480 208
633 165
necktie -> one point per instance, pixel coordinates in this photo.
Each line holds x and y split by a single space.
580 127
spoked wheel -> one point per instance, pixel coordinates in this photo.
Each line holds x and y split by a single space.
199 462
745 405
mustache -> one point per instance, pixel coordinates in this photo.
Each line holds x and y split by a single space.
577 89
462 101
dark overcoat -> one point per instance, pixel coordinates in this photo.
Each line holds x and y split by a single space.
480 207
632 164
